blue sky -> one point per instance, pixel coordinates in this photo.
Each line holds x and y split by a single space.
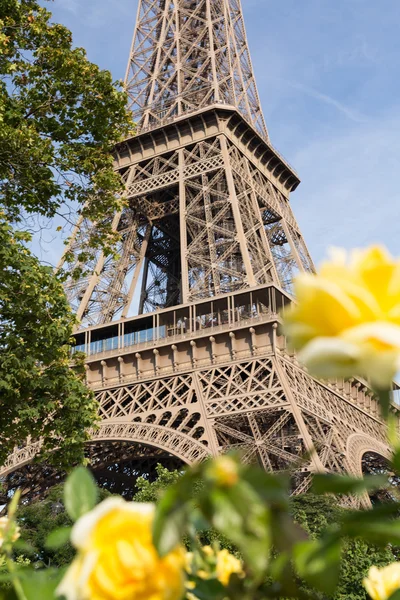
328 77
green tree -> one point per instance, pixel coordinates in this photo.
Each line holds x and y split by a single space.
40 395
39 519
315 513
60 116
151 491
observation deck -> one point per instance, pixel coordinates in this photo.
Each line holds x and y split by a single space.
204 332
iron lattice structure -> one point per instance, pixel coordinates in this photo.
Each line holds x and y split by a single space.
209 247
188 55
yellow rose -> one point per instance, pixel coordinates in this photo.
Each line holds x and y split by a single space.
224 471
216 565
346 321
382 583
227 564
207 551
116 557
9 531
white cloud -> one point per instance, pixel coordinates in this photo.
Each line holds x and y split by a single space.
346 110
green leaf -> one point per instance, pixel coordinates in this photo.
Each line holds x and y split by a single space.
207 589
380 512
171 519
24 547
281 572
380 525
57 538
241 515
273 488
13 506
395 595
41 584
80 493
8 594
396 460
380 532
318 563
285 532
342 484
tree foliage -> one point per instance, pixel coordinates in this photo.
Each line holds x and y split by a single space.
40 395
60 116
39 519
314 514
45 526
151 491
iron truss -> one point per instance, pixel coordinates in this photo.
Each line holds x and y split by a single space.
187 55
202 220
264 406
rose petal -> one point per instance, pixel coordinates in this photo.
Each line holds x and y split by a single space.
82 530
330 357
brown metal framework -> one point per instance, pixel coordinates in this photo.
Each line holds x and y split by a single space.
209 246
187 55
208 213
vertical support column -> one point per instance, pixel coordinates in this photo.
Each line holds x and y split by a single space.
138 357
183 227
210 431
175 363
178 64
237 71
95 277
121 368
158 52
119 336
233 344
212 349
292 245
156 353
122 334
274 334
253 338
138 269
144 283
103 372
193 346
215 78
250 279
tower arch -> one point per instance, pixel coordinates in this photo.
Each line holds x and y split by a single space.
118 454
169 440
358 445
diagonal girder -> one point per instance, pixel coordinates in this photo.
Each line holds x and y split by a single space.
186 55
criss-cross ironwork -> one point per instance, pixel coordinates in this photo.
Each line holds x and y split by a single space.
208 250
187 55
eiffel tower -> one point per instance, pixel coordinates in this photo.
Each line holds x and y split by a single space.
208 251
